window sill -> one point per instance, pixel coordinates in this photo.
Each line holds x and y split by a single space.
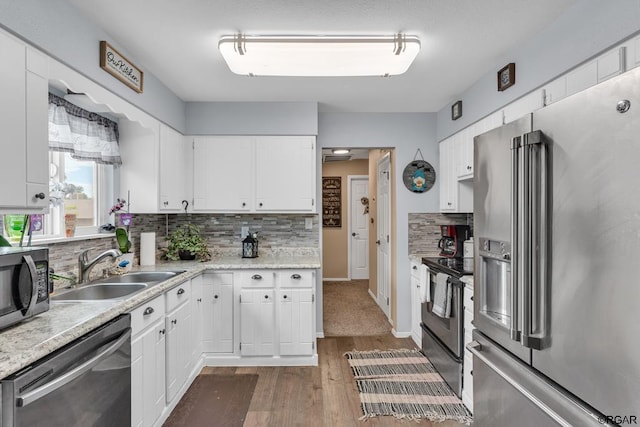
48 240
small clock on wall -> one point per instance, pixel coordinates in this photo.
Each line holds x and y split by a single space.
456 110
507 76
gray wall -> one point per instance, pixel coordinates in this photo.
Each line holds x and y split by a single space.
251 118
58 28
406 132
588 28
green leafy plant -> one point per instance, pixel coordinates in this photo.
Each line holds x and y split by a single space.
188 239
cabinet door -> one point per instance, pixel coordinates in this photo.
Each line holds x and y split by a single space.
173 172
448 178
257 322
217 315
285 173
148 375
197 309
223 173
178 326
464 158
13 123
296 313
416 315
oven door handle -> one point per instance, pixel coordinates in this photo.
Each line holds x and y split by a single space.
32 396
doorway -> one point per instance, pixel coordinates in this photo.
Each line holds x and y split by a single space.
383 233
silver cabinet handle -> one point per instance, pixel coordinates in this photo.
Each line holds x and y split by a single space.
296 276
180 291
256 277
54 385
148 311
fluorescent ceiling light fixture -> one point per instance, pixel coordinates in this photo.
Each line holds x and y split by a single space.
319 56
340 151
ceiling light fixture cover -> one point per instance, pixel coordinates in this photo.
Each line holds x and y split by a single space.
319 56
340 151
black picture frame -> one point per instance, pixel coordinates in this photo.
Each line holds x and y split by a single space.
456 110
507 76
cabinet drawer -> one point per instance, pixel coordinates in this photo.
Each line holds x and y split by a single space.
178 295
295 278
218 278
146 314
257 278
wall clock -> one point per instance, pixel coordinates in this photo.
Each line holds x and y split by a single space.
507 76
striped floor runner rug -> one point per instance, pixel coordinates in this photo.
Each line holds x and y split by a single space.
404 384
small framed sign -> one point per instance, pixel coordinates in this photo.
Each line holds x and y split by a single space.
120 67
507 76
456 110
332 202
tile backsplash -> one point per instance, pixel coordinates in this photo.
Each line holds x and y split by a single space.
424 230
222 233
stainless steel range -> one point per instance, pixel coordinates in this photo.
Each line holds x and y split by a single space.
443 333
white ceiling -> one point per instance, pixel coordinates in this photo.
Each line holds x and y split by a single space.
461 41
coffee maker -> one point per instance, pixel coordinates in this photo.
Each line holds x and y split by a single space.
453 237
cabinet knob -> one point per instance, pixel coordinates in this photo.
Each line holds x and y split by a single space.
174 321
215 297
415 267
449 203
266 297
468 168
260 204
199 300
244 204
284 296
166 203
471 298
39 196
148 311
161 331
180 291
296 276
256 277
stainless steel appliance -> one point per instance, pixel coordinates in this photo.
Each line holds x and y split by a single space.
24 283
452 240
556 204
87 383
442 337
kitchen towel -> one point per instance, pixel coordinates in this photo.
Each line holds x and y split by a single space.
425 288
442 296
147 248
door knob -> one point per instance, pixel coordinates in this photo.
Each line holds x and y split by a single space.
378 242
354 234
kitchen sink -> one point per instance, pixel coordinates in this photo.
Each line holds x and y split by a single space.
141 277
100 291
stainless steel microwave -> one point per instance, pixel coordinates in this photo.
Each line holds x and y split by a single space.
24 283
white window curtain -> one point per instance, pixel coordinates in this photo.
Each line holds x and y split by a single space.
86 135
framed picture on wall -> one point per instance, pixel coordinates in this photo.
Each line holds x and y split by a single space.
332 201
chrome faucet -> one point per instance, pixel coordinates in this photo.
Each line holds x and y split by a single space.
85 266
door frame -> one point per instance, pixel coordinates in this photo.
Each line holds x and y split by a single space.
350 179
385 158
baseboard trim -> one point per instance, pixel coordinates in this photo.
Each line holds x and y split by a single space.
372 296
319 334
326 279
400 334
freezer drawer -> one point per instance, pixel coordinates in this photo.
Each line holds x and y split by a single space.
505 389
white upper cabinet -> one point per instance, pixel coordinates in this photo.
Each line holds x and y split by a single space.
285 173
447 176
223 173
173 174
254 173
24 124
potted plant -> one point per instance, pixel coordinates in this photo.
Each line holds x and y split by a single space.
186 243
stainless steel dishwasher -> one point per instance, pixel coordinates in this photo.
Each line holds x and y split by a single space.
86 383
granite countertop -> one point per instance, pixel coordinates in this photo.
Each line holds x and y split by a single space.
29 341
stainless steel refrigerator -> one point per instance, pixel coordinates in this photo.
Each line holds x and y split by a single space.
557 250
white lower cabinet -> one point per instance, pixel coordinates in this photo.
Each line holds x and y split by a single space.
147 363
178 341
257 321
416 305
295 307
216 316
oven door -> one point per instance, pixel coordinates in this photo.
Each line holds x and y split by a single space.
448 330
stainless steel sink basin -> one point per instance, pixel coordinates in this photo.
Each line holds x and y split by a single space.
141 277
100 291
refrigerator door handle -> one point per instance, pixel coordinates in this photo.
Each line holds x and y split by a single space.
476 349
534 316
514 332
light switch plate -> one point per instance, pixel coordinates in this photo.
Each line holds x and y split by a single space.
308 223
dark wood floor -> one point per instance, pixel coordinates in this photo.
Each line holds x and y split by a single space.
317 396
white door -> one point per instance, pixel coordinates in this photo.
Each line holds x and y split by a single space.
358 227
384 234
